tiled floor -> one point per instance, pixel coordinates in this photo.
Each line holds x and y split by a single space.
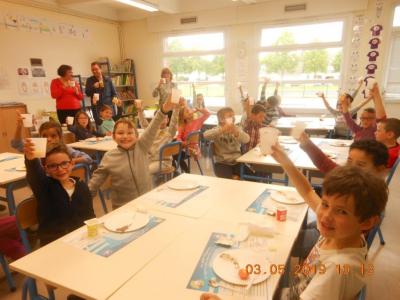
383 284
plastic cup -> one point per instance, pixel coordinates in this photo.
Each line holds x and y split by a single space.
40 147
92 226
101 84
175 95
96 97
70 120
298 129
72 83
268 138
27 120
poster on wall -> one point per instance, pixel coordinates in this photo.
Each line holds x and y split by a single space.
11 21
37 67
4 82
23 87
23 71
46 87
36 87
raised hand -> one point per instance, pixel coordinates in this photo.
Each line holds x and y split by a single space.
29 149
279 154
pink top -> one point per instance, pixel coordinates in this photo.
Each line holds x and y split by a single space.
183 131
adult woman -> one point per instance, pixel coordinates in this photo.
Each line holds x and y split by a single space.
67 93
164 88
99 84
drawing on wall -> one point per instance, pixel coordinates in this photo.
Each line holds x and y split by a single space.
23 71
37 67
46 87
11 21
4 82
36 86
23 87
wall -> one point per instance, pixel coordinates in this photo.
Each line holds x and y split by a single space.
17 47
143 39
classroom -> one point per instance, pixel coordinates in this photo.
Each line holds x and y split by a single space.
205 150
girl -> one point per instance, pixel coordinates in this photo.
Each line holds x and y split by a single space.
83 128
128 164
188 124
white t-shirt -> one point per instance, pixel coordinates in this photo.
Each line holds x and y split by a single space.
333 283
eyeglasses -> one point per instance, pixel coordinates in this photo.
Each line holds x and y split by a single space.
63 165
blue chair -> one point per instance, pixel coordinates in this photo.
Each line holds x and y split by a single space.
26 217
82 172
211 153
392 171
166 152
104 193
193 138
6 270
363 293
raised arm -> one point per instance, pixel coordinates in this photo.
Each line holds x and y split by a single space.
359 106
142 120
99 176
333 111
241 92
296 177
173 124
379 107
347 117
263 90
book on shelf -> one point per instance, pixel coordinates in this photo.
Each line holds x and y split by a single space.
125 95
123 80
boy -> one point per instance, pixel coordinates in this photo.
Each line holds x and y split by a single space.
369 117
164 135
107 123
388 131
253 123
64 202
367 154
227 139
53 132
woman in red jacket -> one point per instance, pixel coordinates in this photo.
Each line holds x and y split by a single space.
67 93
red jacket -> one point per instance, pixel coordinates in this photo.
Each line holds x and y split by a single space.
393 155
66 97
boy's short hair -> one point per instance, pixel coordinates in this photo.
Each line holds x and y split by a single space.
95 63
63 69
222 112
258 108
59 149
127 122
105 107
370 193
49 125
273 101
377 150
393 125
370 110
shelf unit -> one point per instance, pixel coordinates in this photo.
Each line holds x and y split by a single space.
123 76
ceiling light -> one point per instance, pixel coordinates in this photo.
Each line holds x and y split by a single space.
140 4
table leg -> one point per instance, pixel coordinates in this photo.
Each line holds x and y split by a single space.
10 199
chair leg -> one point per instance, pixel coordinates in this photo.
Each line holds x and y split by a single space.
189 164
103 202
25 290
10 280
381 236
198 164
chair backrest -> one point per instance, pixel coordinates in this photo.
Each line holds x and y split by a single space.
26 216
392 171
81 171
168 150
194 137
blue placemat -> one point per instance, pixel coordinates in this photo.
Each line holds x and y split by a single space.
257 205
9 158
199 190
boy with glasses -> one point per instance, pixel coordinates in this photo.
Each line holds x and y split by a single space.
64 202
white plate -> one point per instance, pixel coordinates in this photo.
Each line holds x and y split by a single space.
227 271
340 144
288 140
92 139
20 168
286 197
181 185
132 221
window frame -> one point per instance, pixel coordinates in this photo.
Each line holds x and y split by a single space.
344 44
167 54
394 33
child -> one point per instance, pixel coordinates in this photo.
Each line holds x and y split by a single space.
82 127
388 131
53 132
367 154
253 124
351 204
64 202
271 105
368 118
341 130
198 99
227 139
164 135
282 113
188 124
107 123
128 165
10 240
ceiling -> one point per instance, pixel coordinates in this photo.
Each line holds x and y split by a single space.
112 10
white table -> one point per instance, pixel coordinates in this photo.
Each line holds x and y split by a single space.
159 264
12 175
92 276
212 120
315 125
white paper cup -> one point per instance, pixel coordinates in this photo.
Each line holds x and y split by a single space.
163 80
268 138
298 129
251 100
72 83
70 120
138 103
370 83
40 147
27 119
96 97
175 95
229 121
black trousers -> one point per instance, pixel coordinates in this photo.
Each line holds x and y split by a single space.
62 114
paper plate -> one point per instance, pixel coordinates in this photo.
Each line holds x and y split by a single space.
182 185
126 222
288 140
287 197
92 139
340 144
227 271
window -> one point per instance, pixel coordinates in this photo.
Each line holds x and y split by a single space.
199 59
304 61
392 91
